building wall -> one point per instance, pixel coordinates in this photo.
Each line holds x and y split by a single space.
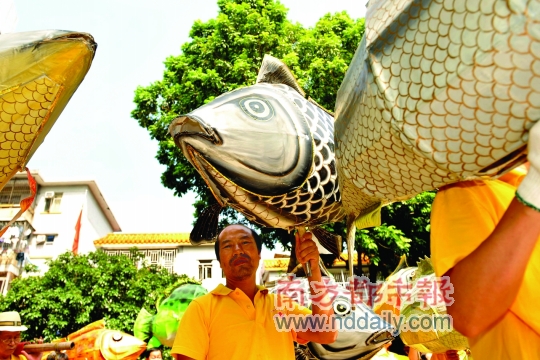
94 224
188 259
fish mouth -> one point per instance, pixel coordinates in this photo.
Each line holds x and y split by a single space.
192 125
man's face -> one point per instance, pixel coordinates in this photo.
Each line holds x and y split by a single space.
239 256
155 355
8 342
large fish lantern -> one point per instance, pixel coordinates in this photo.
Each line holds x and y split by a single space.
356 339
437 92
96 342
160 329
39 72
266 151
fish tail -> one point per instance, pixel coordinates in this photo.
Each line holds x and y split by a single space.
142 329
153 343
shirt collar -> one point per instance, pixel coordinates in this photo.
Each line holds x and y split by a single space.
222 290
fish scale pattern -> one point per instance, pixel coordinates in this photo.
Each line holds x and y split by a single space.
23 111
438 91
317 201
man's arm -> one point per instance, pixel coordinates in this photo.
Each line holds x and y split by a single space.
306 250
487 281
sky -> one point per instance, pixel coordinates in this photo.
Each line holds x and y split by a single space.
95 138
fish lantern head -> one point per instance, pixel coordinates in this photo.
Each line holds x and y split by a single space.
255 137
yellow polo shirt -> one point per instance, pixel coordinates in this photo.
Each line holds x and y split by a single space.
462 217
224 324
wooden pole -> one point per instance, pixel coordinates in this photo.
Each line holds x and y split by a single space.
59 346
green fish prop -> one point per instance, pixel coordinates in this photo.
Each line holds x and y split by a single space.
161 328
428 340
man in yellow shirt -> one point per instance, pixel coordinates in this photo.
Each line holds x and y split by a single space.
484 236
10 337
238 321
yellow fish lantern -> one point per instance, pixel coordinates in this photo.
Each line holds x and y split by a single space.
437 92
95 342
39 72
389 295
424 311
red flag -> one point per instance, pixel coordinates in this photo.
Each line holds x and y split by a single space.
75 248
25 203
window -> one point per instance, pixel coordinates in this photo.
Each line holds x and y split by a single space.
52 204
14 191
44 241
205 269
49 240
163 258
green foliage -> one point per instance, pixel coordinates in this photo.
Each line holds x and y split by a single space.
404 230
78 290
225 53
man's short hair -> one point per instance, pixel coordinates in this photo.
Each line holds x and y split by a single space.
150 351
256 237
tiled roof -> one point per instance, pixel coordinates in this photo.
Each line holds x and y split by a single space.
345 256
282 263
161 238
276 264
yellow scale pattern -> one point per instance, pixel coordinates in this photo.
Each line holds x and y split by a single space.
23 112
264 213
439 91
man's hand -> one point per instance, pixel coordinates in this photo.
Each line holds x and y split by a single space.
33 356
306 250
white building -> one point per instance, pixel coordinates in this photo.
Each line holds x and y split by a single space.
47 229
171 251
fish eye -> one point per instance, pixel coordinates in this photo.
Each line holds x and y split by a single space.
117 337
342 307
257 108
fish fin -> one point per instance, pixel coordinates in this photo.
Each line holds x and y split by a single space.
400 266
96 325
371 217
153 343
142 329
274 71
425 267
328 240
324 270
206 227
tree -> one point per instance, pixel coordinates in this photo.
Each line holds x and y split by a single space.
225 53
405 230
78 290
